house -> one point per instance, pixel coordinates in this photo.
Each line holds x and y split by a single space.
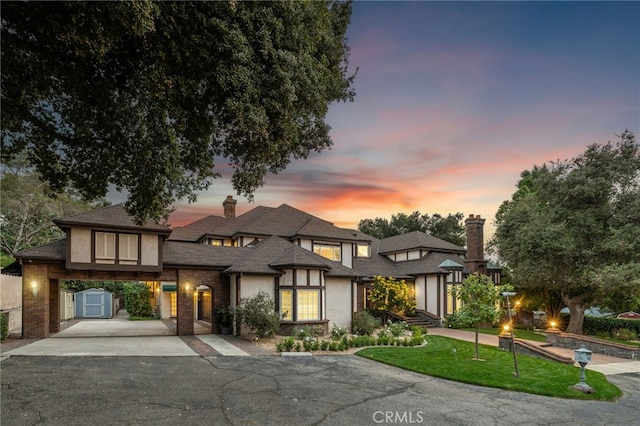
317 274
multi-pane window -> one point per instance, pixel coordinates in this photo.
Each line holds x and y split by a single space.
213 242
128 247
174 304
286 304
328 251
308 305
363 250
105 246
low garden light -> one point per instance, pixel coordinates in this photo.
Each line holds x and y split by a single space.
505 330
583 357
553 326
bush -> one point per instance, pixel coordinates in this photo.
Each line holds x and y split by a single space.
364 323
4 325
137 299
597 325
624 334
338 333
307 331
259 314
286 345
397 328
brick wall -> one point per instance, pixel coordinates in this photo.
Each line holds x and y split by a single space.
192 278
35 307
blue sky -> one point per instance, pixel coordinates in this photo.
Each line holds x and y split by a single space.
454 100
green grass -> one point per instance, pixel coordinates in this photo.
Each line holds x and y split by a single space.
623 342
519 333
137 318
453 360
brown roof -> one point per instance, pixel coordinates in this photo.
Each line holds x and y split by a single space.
114 216
55 250
416 240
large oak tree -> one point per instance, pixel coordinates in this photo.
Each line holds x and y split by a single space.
573 228
147 96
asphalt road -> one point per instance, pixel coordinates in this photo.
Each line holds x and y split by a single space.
272 390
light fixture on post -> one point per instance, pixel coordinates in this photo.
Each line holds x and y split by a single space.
34 288
513 344
583 357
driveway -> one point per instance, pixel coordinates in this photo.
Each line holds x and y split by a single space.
271 390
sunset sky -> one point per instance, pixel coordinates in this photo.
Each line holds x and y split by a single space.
454 100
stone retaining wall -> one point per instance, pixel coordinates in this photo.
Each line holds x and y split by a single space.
575 341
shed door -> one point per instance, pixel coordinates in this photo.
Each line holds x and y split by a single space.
94 304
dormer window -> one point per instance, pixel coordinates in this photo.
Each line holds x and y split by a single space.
363 250
327 250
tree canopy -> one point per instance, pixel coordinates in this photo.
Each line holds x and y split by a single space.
148 96
573 229
449 228
28 209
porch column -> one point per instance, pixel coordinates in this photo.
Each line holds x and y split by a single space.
185 290
54 306
36 296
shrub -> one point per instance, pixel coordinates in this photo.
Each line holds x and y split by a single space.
338 333
286 344
391 295
624 334
137 299
307 331
397 328
4 325
364 323
594 325
258 313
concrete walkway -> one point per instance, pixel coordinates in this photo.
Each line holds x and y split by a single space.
602 363
121 337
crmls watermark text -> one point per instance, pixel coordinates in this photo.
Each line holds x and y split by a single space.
398 417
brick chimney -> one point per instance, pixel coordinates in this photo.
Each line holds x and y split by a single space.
229 205
475 244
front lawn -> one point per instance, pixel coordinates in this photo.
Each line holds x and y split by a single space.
452 359
518 333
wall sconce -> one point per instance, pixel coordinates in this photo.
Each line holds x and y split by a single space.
34 288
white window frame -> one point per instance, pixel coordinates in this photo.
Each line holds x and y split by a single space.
366 253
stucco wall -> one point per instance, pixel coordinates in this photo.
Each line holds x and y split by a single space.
420 292
432 294
11 300
149 249
338 302
251 285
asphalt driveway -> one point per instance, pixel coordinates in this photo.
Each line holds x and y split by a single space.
270 390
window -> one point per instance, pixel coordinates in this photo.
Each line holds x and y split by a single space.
286 304
174 304
212 242
308 305
128 248
328 251
105 247
363 250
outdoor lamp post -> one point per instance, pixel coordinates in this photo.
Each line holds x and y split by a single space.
583 357
513 343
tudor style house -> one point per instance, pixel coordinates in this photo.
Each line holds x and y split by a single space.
316 273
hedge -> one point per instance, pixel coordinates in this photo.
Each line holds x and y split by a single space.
595 325
4 325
